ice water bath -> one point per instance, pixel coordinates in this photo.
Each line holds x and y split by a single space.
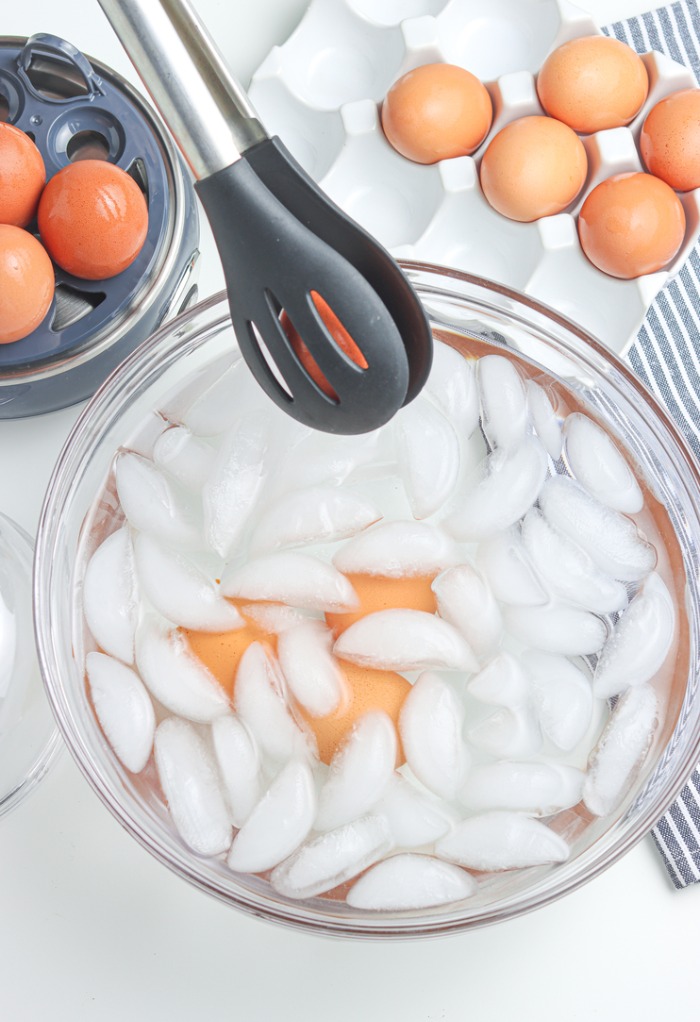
398 669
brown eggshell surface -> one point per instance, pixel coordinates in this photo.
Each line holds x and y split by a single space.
631 224
22 176
93 219
669 142
436 112
533 167
592 83
26 283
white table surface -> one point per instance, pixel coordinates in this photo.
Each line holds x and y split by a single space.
93 928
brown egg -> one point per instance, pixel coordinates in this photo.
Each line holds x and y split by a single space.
339 334
93 219
221 652
436 112
534 167
365 689
592 83
379 592
26 283
22 176
631 224
670 140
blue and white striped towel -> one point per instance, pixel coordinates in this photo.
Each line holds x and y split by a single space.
666 355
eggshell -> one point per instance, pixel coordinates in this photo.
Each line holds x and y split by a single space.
631 224
435 112
93 219
22 176
669 141
26 283
339 334
377 592
592 83
533 167
221 652
364 689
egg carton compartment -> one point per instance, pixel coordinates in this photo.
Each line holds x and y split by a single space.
321 91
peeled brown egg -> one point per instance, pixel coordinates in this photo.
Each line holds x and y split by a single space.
26 283
631 224
436 112
670 140
22 176
592 83
93 219
534 167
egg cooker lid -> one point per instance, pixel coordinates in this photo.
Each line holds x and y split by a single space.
73 107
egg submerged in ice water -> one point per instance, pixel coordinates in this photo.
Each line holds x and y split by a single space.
353 677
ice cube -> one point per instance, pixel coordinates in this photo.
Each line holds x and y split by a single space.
273 617
216 408
414 817
332 858
309 667
503 401
191 787
259 698
502 682
291 577
640 641
231 490
562 696
452 386
613 541
186 457
599 466
155 504
180 591
544 419
540 789
405 640
503 562
617 759
174 676
239 764
556 628
110 597
429 456
359 772
279 822
430 725
508 733
410 881
509 486
466 601
321 459
500 840
315 515
399 548
568 570
123 707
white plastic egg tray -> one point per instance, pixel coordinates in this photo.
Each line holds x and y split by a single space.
321 92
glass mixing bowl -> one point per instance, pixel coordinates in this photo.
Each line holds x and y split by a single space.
196 348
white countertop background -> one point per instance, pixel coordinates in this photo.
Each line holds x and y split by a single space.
93 928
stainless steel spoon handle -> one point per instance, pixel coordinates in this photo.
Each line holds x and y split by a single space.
205 108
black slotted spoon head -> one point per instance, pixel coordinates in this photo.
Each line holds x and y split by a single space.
281 241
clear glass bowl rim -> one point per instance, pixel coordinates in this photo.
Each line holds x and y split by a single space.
104 408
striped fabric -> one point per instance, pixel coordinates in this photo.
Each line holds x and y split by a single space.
666 355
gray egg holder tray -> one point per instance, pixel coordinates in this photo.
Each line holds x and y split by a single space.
66 102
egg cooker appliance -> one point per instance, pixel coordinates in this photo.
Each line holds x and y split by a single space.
74 107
